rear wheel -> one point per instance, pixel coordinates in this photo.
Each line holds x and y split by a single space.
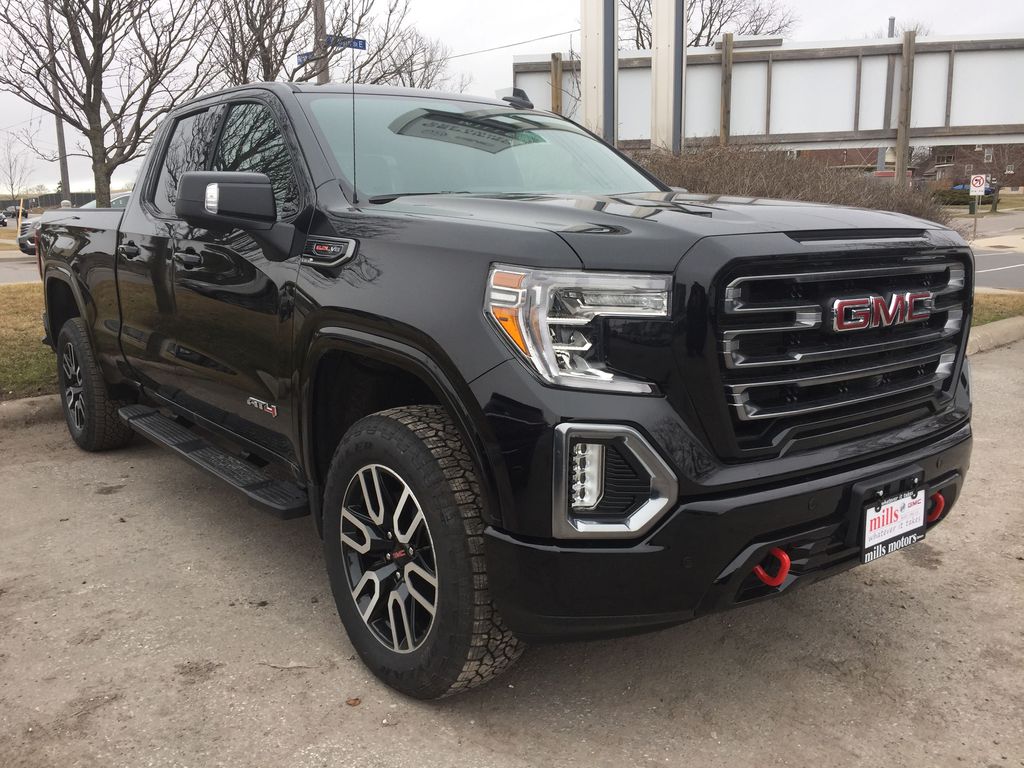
90 412
404 549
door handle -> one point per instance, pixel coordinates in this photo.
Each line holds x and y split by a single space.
188 258
129 250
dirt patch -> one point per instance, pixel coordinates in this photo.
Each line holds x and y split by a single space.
923 555
194 672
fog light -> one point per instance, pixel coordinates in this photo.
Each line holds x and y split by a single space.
587 475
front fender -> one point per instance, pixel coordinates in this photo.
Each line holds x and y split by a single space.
450 389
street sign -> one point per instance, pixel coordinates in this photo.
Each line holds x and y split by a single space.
340 41
978 184
334 41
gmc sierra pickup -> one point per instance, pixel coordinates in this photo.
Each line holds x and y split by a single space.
525 390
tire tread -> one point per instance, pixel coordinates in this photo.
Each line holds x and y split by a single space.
493 647
105 429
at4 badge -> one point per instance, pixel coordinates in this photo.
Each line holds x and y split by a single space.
262 406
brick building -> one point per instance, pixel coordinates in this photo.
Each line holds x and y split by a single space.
955 164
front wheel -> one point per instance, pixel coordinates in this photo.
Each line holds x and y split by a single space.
403 541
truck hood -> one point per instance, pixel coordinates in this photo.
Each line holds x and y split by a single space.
652 231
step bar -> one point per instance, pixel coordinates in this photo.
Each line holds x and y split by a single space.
281 498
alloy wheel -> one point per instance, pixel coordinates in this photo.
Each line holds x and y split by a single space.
389 558
74 389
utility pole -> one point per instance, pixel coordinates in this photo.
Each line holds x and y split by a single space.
668 64
906 104
600 67
323 71
725 110
883 151
62 152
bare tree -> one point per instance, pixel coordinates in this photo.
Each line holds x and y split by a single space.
14 169
261 40
708 19
110 69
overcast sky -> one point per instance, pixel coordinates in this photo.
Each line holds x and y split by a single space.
472 25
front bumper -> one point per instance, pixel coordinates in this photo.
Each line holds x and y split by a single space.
699 558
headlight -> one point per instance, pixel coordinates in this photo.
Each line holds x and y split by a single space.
552 319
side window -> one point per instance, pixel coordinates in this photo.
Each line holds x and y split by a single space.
187 151
252 141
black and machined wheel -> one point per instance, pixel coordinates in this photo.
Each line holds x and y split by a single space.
403 541
90 412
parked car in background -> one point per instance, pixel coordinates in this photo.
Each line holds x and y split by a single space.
966 187
3 220
27 236
117 201
11 212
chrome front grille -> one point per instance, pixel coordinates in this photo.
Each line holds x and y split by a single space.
784 367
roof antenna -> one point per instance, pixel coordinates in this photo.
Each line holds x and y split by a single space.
355 186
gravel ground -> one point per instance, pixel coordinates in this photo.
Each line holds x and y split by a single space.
150 617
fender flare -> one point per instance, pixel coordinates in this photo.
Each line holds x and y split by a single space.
451 391
61 273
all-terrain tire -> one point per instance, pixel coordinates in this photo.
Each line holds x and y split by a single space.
89 410
414 453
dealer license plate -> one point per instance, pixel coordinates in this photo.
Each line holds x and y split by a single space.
892 525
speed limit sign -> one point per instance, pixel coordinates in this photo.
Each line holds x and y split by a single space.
978 184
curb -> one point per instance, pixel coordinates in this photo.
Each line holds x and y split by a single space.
36 410
30 410
997 334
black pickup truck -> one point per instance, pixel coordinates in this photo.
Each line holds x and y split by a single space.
525 390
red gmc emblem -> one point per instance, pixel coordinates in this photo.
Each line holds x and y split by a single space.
881 311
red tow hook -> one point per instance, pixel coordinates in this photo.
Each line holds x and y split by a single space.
939 506
780 576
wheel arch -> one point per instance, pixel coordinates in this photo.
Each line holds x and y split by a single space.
446 387
63 301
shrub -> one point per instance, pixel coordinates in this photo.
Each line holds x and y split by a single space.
958 197
772 173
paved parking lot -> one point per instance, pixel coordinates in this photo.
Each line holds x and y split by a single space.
151 618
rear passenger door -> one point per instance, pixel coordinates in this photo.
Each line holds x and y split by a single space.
231 333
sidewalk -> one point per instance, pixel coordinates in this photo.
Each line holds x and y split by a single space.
1005 242
993 225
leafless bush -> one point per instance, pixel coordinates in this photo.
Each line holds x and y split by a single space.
759 172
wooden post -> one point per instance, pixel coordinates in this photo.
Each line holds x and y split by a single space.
726 113
556 83
906 103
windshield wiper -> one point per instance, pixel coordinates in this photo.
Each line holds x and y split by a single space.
395 195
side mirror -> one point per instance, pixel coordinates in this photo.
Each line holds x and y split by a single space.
226 200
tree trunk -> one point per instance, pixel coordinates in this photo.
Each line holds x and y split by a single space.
100 173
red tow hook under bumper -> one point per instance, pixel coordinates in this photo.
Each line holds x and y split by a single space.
780 575
938 507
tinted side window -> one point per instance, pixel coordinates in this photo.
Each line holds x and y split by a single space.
252 141
187 151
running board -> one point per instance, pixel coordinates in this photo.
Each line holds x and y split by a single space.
283 499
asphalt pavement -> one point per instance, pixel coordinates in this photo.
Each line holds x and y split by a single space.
150 617
16 267
1000 267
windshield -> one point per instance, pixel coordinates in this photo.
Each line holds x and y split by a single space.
413 145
